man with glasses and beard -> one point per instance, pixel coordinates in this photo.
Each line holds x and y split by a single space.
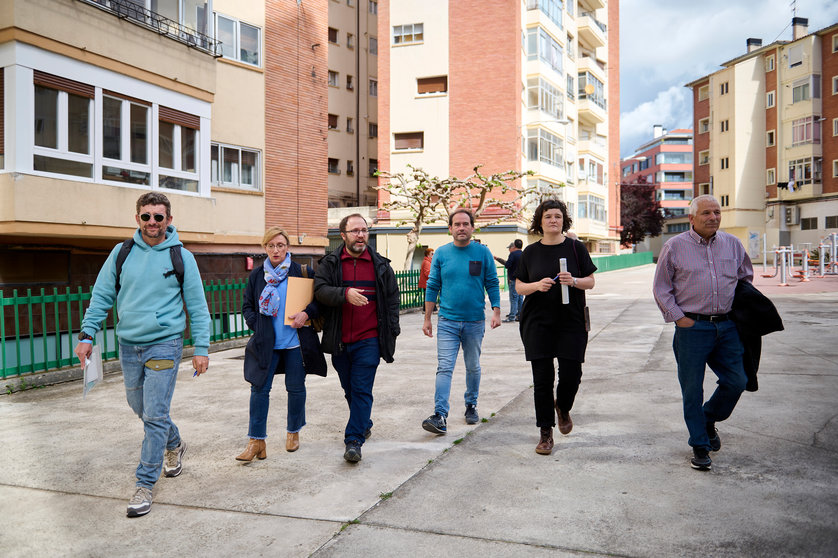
150 281
358 288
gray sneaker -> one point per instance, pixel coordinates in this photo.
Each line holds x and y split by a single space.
140 504
173 461
435 423
471 414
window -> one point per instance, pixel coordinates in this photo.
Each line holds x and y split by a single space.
705 189
677 227
334 166
670 158
807 88
703 125
412 33
808 223
545 147
125 140
831 221
373 166
333 121
724 125
703 92
704 157
571 87
724 201
769 99
551 8
63 121
725 163
373 45
723 88
541 95
239 41
541 46
685 176
769 138
770 176
350 125
835 168
350 3
835 85
333 35
835 126
834 43
373 88
177 150
592 207
805 130
373 131
438 84
409 140
795 53
234 167
350 41
769 63
350 168
591 88
350 82
334 79
800 171
373 7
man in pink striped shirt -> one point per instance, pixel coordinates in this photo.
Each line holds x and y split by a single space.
694 286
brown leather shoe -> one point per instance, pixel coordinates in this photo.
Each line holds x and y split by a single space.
255 448
292 441
565 422
545 445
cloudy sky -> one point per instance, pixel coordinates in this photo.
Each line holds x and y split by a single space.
665 44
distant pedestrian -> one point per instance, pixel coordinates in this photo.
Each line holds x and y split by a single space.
511 265
551 329
360 301
695 282
157 276
275 348
425 271
462 271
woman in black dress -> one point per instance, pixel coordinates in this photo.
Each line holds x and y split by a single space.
550 329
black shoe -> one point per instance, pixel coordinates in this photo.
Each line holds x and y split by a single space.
353 452
701 459
713 434
471 414
367 433
435 423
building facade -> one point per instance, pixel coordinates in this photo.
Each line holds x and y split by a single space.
766 139
508 85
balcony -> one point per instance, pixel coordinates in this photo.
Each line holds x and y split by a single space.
594 4
591 31
589 111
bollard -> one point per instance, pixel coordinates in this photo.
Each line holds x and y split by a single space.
781 254
805 275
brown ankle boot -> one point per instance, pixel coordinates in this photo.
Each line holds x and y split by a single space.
255 448
292 441
565 422
545 445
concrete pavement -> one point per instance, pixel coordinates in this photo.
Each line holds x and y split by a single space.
619 485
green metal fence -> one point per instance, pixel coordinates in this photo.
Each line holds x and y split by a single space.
621 261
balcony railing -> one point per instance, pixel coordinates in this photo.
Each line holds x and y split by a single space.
131 11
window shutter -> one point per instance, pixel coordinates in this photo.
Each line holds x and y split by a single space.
410 140
437 84
173 116
63 84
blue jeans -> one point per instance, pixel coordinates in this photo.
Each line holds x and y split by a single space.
149 393
450 335
356 365
295 385
718 345
514 300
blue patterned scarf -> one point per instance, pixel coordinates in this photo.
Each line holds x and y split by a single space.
269 299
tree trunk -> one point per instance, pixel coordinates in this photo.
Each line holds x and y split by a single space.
412 240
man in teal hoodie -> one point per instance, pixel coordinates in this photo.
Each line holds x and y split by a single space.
149 298
462 271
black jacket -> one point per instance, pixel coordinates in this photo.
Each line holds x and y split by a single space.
755 316
330 292
259 350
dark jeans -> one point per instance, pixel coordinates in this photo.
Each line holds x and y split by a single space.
717 345
543 376
356 365
295 385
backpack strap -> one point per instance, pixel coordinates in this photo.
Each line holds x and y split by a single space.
177 264
120 259
174 254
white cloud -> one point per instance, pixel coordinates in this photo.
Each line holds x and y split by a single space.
671 108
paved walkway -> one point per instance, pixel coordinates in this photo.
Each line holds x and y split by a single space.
618 485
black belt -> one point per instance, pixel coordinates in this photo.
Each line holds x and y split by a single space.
707 318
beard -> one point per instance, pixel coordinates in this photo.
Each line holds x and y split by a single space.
356 248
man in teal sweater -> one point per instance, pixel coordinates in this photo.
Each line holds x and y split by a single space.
460 273
150 298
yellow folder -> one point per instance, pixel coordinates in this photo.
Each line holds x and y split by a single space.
299 295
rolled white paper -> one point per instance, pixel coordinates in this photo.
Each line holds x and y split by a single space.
562 269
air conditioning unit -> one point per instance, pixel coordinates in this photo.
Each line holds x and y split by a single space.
793 215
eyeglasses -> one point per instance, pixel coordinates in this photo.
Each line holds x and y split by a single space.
159 217
358 232
271 247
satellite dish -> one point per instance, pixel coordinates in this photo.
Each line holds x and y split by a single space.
589 89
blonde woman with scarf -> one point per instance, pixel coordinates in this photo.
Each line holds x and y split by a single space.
276 348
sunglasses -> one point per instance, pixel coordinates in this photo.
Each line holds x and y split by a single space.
157 217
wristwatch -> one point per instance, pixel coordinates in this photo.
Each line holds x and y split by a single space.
83 336
574 282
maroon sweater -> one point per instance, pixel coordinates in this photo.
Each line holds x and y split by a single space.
359 322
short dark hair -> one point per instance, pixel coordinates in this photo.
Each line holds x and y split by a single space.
342 226
567 222
154 198
518 243
461 210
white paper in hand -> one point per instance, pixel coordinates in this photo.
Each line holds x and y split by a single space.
92 370
563 269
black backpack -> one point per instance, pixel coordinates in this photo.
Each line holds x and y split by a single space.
174 253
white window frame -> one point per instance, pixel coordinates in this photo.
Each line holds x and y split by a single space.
333 78
704 125
835 126
770 138
373 7
177 158
770 99
62 151
350 41
769 63
835 85
408 30
724 125
835 168
216 168
373 45
373 87
770 176
124 162
237 32
350 125
724 88
704 157
703 92
724 163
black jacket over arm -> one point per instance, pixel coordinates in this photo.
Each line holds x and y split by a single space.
755 316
